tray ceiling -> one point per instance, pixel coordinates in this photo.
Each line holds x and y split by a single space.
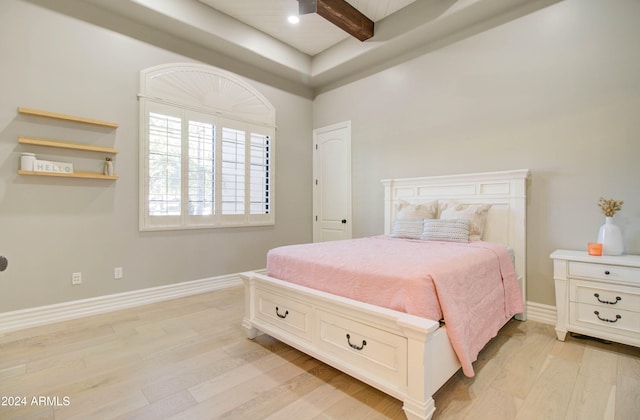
253 38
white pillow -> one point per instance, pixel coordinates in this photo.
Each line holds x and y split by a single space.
475 213
411 229
408 211
452 230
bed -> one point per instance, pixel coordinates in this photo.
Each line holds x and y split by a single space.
403 354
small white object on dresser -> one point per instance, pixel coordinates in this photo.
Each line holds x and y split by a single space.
598 296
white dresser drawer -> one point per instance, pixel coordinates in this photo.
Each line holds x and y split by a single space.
364 347
612 320
605 295
290 315
597 296
604 272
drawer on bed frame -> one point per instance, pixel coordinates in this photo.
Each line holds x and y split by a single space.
287 314
363 347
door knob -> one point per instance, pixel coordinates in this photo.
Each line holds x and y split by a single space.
4 262
344 221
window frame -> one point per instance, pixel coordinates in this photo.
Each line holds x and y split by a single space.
188 112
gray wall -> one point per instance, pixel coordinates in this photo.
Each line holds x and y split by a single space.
557 92
51 227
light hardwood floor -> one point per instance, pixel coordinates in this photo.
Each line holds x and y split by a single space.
190 359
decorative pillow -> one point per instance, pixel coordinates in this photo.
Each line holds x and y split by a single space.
475 213
411 229
452 230
408 211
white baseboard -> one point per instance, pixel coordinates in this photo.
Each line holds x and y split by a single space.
42 315
539 312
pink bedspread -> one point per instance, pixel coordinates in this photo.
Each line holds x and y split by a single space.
473 287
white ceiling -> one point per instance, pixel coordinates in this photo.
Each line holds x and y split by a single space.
313 34
253 38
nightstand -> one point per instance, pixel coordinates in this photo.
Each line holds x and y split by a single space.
597 296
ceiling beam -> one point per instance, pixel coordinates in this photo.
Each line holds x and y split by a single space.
341 14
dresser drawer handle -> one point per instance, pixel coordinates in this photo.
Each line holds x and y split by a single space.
353 346
607 272
618 298
281 316
606 319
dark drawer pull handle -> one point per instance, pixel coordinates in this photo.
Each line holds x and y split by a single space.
355 347
618 298
282 316
606 319
607 272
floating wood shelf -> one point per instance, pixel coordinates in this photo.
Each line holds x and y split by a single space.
66 117
66 145
77 174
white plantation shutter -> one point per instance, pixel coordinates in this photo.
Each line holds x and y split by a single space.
201 168
164 164
233 171
204 171
259 174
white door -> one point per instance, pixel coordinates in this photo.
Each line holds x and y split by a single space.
332 182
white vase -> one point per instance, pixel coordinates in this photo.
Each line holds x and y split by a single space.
610 237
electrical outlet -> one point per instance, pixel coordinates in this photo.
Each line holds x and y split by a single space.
117 273
76 278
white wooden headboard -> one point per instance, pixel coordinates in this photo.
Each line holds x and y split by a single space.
505 190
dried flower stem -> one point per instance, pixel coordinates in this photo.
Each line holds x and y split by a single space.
610 207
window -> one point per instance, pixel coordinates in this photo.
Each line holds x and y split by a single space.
200 168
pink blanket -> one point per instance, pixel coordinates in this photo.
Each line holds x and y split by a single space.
473 287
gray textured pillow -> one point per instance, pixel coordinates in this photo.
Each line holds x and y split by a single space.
411 229
452 230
